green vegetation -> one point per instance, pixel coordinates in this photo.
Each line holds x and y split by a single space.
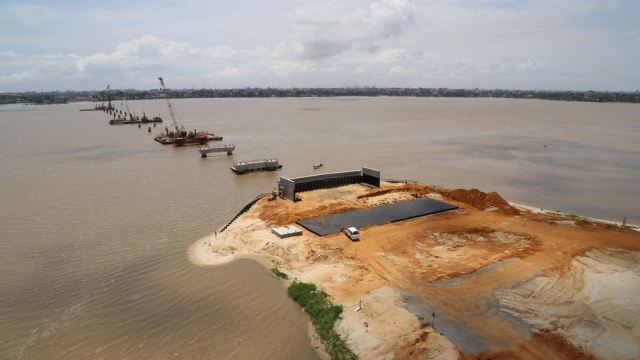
323 315
279 273
132 94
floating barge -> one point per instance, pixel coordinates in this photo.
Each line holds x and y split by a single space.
216 149
190 138
241 167
194 137
163 139
135 120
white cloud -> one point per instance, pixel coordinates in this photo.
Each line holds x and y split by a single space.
395 70
392 16
231 71
509 65
330 29
25 75
390 56
287 68
472 43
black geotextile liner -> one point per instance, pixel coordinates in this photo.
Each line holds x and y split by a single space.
330 224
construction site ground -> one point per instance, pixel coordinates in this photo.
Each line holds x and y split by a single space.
503 283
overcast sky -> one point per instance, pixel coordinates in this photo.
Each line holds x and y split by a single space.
526 44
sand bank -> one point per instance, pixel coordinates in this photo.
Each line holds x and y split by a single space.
535 210
203 252
403 272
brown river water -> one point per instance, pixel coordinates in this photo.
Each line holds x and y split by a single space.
95 220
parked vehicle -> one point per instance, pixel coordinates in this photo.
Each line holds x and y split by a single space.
352 233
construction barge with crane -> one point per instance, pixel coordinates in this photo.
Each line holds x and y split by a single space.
180 136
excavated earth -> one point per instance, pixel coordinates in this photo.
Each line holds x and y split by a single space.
502 282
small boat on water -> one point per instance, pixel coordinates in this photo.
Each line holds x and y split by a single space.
317 166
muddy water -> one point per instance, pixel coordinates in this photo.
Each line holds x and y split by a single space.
95 219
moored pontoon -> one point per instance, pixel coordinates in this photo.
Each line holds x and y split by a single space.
215 149
241 167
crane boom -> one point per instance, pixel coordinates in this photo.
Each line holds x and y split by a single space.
109 97
131 114
173 116
105 96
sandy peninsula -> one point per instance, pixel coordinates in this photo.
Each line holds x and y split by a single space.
503 281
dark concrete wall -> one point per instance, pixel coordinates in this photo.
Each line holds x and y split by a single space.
371 176
289 187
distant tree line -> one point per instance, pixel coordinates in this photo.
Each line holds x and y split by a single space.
57 97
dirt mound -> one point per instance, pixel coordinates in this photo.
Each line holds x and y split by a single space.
473 197
481 200
411 188
378 192
274 214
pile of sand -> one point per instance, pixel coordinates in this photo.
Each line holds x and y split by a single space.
480 200
385 199
473 197
419 190
379 192
280 214
312 204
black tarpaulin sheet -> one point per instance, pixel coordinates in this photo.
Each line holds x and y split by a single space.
330 224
